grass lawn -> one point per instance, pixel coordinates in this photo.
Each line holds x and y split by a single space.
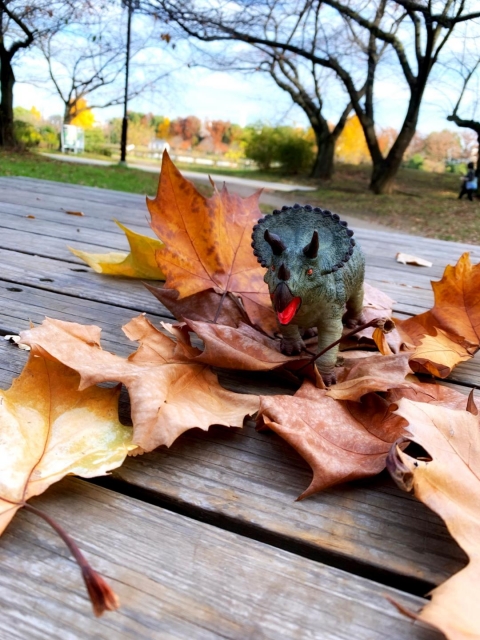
423 203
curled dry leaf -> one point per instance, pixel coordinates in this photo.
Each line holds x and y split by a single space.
454 320
406 258
207 244
139 263
341 441
49 428
168 393
449 484
375 373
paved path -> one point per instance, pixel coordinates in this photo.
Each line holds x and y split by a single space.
191 175
242 186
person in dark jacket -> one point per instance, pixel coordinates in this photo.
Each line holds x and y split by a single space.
469 183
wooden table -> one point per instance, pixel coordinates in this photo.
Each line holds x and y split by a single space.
204 540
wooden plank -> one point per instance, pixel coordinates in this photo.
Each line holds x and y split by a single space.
178 578
78 280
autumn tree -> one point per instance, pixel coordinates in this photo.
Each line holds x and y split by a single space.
23 23
408 34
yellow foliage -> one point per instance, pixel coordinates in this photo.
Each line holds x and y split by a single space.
351 145
85 117
36 113
163 129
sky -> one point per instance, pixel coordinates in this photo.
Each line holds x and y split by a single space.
234 96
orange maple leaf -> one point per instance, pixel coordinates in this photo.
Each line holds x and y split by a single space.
208 243
448 333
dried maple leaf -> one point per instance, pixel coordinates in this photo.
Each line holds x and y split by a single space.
139 263
168 393
241 348
207 243
429 392
201 306
48 429
375 373
454 321
449 484
341 441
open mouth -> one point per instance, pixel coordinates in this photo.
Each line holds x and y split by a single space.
285 316
286 306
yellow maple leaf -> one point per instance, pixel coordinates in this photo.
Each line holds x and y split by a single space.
139 263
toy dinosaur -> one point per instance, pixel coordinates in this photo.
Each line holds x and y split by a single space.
315 277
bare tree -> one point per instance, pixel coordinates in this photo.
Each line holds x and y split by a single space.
373 27
21 24
468 68
86 59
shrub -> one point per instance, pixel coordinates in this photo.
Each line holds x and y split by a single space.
95 142
262 146
295 154
279 146
415 162
26 134
50 137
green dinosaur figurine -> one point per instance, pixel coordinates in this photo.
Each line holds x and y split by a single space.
315 277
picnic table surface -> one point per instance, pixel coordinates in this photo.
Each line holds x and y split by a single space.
205 539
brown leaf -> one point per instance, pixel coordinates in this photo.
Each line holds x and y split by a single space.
450 485
168 393
208 243
341 441
375 373
201 306
430 392
241 348
74 213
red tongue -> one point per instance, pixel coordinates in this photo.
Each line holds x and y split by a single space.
287 314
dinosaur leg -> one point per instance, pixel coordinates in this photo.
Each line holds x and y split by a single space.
328 331
292 342
354 315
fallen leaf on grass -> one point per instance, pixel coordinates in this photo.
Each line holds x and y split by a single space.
207 244
449 484
48 429
406 258
139 263
168 393
341 441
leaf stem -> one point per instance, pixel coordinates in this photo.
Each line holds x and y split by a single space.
101 595
382 323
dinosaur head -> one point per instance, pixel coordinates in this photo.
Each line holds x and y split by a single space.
300 247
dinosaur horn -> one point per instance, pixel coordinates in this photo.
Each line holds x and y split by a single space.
283 272
311 249
278 246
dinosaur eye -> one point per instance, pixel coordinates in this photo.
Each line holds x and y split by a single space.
309 272
272 267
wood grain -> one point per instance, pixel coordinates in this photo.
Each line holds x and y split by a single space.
177 578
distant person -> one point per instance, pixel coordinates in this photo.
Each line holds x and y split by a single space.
469 183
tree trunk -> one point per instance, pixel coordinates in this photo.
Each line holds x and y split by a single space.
324 162
7 80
